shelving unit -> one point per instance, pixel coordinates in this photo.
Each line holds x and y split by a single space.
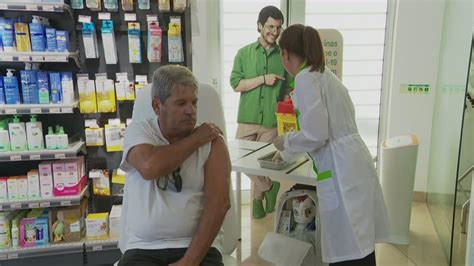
44 203
63 17
51 108
58 249
72 152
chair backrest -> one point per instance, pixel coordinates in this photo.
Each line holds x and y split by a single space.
209 109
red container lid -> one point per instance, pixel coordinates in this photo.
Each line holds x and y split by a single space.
285 107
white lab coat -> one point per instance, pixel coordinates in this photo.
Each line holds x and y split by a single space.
351 205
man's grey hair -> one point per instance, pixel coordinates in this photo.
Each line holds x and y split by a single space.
166 78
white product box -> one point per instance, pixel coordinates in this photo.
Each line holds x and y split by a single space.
59 178
3 189
23 188
33 185
114 221
12 184
46 180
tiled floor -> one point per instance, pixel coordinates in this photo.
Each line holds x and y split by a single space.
424 249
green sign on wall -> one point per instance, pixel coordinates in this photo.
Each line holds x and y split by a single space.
415 88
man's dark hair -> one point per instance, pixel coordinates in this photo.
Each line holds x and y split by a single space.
269 11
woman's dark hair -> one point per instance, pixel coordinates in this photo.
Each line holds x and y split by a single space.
305 42
269 11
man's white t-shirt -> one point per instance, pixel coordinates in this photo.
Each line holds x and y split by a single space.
153 218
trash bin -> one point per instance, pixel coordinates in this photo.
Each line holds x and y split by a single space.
397 173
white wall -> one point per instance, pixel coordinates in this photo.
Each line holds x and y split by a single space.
414 58
205 41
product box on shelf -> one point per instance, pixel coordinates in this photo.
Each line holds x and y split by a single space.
12 187
33 184
3 188
69 177
34 229
67 224
46 180
97 226
22 188
114 221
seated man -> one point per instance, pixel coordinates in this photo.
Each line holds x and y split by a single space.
177 184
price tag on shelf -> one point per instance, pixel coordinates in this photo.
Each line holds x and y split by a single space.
45 204
15 158
6 58
60 156
96 248
37 58
54 110
66 110
10 111
84 19
130 17
104 16
151 18
12 256
54 58
24 58
3 6
15 206
65 203
33 205
3 257
34 157
32 7
48 8
35 110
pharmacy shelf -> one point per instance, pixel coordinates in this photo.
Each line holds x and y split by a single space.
42 7
52 108
27 57
43 203
57 249
72 152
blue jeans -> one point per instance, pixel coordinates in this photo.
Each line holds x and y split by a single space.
159 257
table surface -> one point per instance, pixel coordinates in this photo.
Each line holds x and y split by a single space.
299 172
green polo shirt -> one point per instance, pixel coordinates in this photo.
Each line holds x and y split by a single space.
258 106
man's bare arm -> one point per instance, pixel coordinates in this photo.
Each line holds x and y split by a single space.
216 192
155 161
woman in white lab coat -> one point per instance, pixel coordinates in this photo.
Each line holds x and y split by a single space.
351 206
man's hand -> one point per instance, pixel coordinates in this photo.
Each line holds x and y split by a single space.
206 132
279 142
272 79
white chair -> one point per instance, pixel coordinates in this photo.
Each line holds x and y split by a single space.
209 109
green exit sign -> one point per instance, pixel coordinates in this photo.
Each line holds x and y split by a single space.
415 88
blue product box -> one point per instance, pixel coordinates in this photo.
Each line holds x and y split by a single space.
51 42
62 38
29 86
38 38
55 81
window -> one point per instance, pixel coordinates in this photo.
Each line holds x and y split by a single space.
362 25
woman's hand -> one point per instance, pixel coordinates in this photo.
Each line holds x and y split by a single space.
277 157
279 142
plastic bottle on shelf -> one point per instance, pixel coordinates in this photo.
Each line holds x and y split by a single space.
12 91
15 233
4 137
17 133
51 140
63 142
34 133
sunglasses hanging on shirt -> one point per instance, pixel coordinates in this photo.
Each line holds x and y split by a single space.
162 182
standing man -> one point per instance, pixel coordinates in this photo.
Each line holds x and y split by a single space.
258 74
